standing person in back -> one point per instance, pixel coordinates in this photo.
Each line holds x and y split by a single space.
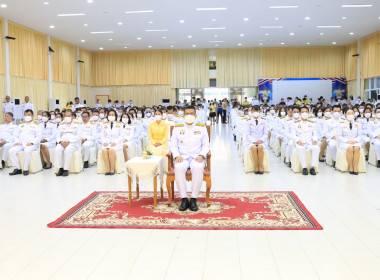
224 110
219 111
212 108
27 105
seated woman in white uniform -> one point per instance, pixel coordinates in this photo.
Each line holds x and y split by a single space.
48 141
349 137
112 141
128 141
257 137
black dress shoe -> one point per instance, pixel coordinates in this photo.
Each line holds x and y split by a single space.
260 172
107 173
305 172
16 172
234 137
322 160
48 167
312 171
193 205
333 164
256 172
25 172
2 164
60 172
184 204
289 164
378 164
65 173
85 165
111 173
351 172
356 173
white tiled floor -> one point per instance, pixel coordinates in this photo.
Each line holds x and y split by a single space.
346 206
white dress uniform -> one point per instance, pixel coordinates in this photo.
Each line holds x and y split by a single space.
28 132
75 106
129 132
365 124
98 105
349 131
305 131
8 107
27 105
189 142
256 130
108 105
112 133
66 132
87 131
49 133
331 130
374 131
7 134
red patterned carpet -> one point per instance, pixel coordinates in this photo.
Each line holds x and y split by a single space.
229 211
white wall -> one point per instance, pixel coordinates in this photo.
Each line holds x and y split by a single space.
312 88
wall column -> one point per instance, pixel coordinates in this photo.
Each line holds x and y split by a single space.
50 77
7 62
78 72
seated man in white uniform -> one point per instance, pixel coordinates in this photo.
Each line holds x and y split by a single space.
7 137
67 143
27 137
87 134
331 130
374 133
257 137
189 145
305 136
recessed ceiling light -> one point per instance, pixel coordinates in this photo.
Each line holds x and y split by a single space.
85 24
52 26
307 18
334 43
3 5
216 45
241 35
239 44
100 48
119 23
194 46
71 15
181 21
216 41
266 34
261 44
46 3
329 26
271 27
139 12
213 28
90 1
211 9
213 19
163 37
245 19
276 18
189 36
172 46
357 6
150 22
83 41
110 39
282 43
283 7
125 47
156 30
149 46
308 43
344 17
138 38
351 33
291 34
101 32
216 36
321 34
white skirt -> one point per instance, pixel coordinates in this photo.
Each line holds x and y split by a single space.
345 146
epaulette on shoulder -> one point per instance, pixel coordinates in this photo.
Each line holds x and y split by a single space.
372 119
199 124
311 121
36 122
361 118
178 125
77 122
297 121
327 118
342 121
118 122
264 118
283 117
289 120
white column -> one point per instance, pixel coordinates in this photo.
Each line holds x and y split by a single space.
78 72
358 75
7 63
50 77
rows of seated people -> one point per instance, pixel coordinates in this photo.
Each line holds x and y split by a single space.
344 136
62 138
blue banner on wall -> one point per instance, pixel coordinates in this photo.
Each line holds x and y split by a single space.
339 87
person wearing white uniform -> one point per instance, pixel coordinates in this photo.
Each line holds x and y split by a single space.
349 137
98 105
374 133
7 137
189 145
68 143
255 102
112 139
109 104
8 106
77 104
331 130
128 141
257 137
48 139
87 134
27 137
27 105
305 136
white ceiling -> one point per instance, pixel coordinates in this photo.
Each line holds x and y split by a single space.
104 15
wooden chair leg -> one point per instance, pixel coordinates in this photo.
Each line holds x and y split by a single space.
162 192
208 185
168 181
130 191
137 188
172 184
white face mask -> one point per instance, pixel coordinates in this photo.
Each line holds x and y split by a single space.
304 116
296 115
58 120
52 117
283 114
68 120
45 119
101 115
111 118
39 117
164 116
180 113
336 115
356 114
361 110
124 120
250 114
28 118
95 118
139 116
367 115
350 118
189 119
327 114
148 115
272 112
319 114
256 114
378 115
158 117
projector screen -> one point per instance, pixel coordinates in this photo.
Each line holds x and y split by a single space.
294 88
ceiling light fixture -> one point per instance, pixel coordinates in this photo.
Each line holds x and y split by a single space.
283 7
189 36
351 33
213 28
71 15
334 43
211 9
119 23
85 24
216 36
282 43
51 26
139 12
149 46
261 44
46 3
110 39
163 37
101 32
90 1
357 6
172 46
239 44
216 41
291 34
344 17
156 30
83 41
138 38
276 18
307 18
100 48
3 5
245 19
125 47
181 21
272 27
150 22
308 43
241 35
213 19
321 34
194 46
216 45
329 26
